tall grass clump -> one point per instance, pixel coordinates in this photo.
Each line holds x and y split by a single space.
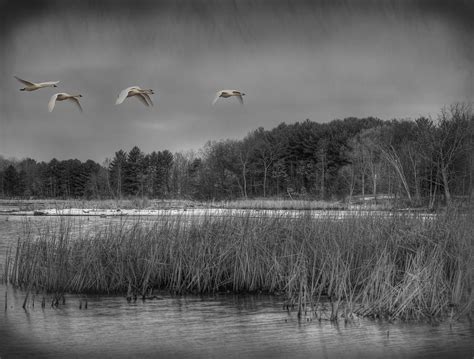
401 266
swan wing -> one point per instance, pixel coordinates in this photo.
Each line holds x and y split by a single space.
239 96
148 98
123 95
142 99
76 101
218 94
52 102
24 82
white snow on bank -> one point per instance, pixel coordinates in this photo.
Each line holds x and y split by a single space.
215 212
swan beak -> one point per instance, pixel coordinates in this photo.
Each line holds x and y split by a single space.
55 85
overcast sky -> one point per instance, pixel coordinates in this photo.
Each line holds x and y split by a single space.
295 60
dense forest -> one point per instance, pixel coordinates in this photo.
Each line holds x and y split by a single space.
420 162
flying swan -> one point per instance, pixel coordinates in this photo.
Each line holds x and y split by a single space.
229 93
31 86
62 96
141 94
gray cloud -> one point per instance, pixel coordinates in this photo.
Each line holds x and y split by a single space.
295 60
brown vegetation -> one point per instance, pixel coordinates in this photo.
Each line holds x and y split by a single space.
394 267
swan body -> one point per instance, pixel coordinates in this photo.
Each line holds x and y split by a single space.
62 96
139 93
32 86
229 93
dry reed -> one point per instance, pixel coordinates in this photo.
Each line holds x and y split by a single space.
396 267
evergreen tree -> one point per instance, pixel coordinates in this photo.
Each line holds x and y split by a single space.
10 182
52 174
117 173
134 180
166 164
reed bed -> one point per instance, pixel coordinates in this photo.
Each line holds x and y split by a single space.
397 267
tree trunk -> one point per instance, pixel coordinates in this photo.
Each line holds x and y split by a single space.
447 194
375 188
244 178
432 191
394 159
415 176
264 181
471 178
323 182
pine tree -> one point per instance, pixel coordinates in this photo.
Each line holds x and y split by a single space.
166 163
10 181
134 172
117 173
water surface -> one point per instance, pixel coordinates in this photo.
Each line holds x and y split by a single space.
202 326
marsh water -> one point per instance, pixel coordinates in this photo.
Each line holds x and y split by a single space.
201 326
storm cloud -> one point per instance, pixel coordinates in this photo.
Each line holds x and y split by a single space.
294 60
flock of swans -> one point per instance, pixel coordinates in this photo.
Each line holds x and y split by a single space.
133 91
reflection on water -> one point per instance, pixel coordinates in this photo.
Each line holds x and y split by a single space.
219 326
203 327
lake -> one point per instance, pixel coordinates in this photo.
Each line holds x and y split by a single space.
213 326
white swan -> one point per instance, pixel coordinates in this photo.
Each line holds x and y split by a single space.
141 94
229 93
62 96
31 86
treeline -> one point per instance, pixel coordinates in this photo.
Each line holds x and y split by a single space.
127 175
418 161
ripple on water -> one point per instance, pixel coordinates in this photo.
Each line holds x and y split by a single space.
229 326
209 326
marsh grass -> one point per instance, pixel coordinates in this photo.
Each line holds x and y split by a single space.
398 267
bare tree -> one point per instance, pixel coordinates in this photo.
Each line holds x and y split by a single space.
244 149
445 141
267 150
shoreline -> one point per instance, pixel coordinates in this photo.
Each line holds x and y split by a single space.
218 212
